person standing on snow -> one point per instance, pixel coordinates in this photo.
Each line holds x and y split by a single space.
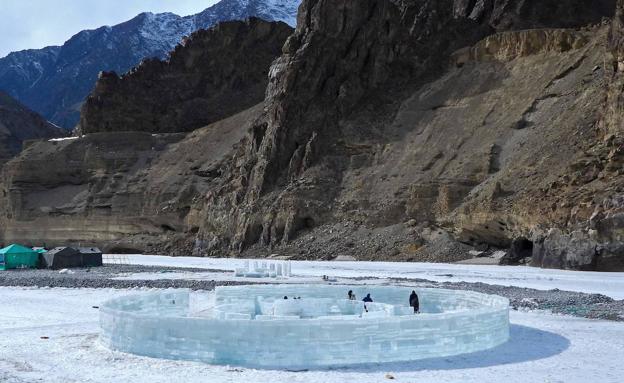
413 301
367 299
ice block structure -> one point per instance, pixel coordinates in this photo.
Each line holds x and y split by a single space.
271 269
254 326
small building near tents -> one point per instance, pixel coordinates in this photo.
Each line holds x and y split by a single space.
62 258
91 256
18 257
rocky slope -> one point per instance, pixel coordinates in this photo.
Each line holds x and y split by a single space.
466 152
409 129
54 81
215 74
19 124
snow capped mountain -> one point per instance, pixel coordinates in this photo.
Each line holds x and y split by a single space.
277 10
23 69
54 81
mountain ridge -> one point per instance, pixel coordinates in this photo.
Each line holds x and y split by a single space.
19 124
53 81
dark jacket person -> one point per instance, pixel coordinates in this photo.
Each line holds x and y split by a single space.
367 298
413 301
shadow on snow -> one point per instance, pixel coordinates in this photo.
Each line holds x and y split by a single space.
525 344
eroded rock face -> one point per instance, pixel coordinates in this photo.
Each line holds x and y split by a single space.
124 191
215 74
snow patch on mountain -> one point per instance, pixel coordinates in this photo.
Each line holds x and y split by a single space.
282 10
165 29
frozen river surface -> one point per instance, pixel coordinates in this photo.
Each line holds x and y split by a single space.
610 284
51 335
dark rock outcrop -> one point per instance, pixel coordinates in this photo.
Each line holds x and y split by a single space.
527 14
215 74
520 250
19 124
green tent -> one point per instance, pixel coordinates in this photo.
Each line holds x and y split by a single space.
18 257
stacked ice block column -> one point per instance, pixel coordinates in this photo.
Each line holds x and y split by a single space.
270 269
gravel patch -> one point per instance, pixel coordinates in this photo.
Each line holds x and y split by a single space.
101 277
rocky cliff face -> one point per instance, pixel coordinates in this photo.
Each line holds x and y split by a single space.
54 81
215 74
19 124
411 130
357 137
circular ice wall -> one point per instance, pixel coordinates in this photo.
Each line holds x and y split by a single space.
254 326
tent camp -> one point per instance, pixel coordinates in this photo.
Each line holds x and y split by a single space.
91 256
67 257
62 258
18 257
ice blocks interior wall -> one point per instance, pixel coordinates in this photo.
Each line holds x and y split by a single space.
239 332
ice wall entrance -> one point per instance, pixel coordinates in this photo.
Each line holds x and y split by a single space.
254 326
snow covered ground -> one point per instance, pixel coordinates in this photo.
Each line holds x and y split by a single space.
543 348
51 335
610 284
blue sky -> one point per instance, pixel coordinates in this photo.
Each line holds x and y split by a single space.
27 24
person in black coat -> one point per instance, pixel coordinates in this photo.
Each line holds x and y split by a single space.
367 299
413 301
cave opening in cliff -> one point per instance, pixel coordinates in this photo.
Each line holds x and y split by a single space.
522 248
308 223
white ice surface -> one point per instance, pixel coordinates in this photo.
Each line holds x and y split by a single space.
543 348
610 284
